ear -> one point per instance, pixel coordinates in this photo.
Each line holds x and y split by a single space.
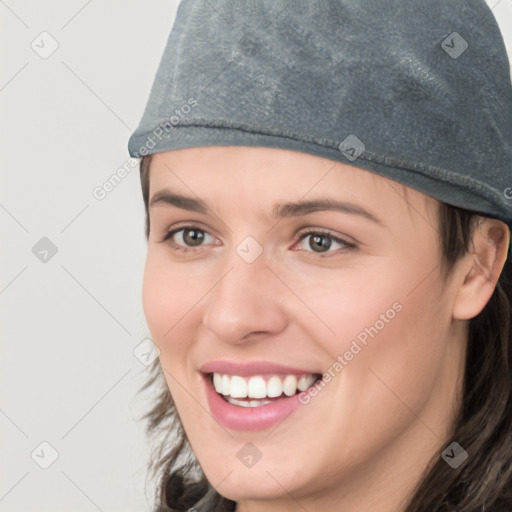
481 267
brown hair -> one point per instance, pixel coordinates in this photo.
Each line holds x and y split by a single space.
483 426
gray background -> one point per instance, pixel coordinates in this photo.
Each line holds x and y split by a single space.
73 354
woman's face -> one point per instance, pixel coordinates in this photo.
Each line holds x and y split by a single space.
353 293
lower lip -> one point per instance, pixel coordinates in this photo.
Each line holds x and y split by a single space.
249 418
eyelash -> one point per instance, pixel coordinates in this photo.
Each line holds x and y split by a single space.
168 238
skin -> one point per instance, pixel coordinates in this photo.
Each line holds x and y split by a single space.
363 442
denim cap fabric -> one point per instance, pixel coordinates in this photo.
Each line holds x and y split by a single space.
418 92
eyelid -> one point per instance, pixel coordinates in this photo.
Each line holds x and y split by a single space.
348 246
169 234
179 227
300 236
347 240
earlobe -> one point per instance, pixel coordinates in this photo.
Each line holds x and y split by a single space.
481 268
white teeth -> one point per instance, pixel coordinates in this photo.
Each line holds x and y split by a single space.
235 386
225 385
257 388
303 383
248 403
217 383
274 387
238 387
290 385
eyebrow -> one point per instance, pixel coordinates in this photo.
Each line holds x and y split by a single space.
166 197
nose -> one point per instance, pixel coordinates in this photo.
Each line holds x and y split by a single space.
246 303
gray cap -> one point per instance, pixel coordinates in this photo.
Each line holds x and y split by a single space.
417 91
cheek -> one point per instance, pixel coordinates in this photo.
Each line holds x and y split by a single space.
381 320
400 360
396 299
167 298
344 305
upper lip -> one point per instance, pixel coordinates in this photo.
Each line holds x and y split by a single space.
248 368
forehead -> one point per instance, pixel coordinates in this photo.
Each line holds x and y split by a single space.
263 176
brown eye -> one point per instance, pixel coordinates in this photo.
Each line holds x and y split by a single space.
320 242
186 238
193 237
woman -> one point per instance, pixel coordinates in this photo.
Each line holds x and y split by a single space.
328 277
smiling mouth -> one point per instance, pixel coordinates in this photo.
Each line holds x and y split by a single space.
260 390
